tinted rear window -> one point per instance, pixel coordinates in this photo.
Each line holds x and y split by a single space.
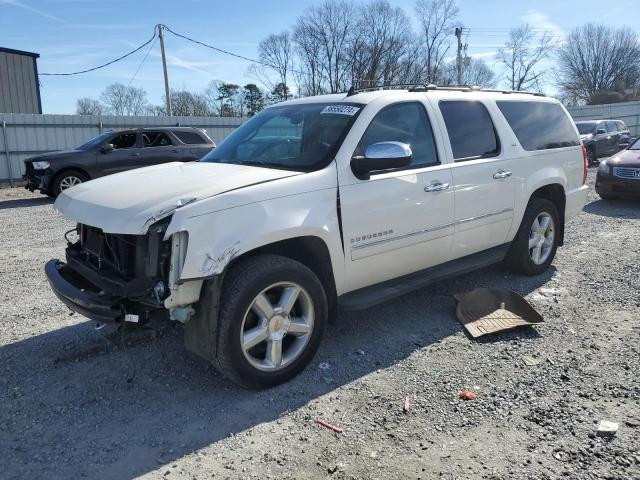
189 137
470 129
539 125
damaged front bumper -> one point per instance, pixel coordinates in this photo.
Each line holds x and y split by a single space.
81 296
37 182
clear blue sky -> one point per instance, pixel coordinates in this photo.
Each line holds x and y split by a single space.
71 35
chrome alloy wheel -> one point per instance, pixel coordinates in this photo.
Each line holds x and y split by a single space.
277 326
541 238
70 181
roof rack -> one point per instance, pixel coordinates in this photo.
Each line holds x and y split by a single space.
423 87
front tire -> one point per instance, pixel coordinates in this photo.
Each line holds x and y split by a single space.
534 246
272 319
68 179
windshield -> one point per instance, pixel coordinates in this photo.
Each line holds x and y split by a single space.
95 141
586 127
300 137
635 145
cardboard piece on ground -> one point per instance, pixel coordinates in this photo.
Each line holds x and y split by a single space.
489 310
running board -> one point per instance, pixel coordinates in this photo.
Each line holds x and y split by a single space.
375 294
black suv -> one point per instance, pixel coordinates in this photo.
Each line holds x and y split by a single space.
113 152
603 138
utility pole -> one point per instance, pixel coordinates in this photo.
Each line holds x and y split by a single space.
458 34
167 91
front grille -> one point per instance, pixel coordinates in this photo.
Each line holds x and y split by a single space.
623 172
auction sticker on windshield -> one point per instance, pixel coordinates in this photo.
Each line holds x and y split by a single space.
340 110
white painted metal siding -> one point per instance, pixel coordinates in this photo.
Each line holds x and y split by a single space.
29 135
628 112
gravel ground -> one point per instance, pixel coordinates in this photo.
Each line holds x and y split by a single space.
81 403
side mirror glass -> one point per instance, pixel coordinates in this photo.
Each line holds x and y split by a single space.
381 156
600 131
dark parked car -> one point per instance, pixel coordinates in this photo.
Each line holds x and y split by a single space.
619 176
602 138
113 152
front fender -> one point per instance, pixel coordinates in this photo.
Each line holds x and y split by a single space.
215 239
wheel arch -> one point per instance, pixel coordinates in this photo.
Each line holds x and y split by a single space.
66 169
554 192
311 251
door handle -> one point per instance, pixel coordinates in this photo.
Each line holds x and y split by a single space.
134 154
436 187
501 174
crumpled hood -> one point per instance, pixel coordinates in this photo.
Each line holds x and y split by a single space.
129 202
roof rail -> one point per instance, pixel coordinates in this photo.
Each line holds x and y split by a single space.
422 87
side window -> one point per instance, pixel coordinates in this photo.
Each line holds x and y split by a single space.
406 123
539 125
190 138
470 129
611 127
156 139
124 140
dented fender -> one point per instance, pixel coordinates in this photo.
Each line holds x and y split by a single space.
216 238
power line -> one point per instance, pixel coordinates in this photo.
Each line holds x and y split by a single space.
143 60
226 52
108 63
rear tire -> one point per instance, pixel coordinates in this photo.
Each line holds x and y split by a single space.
263 339
67 179
534 246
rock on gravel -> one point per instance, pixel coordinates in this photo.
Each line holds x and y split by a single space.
80 403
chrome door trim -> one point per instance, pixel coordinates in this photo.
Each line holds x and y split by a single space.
400 237
428 230
485 215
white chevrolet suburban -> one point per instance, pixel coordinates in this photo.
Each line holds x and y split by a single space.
342 200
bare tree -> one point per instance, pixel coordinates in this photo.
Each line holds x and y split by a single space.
522 55
309 76
123 100
597 62
189 104
380 44
88 106
475 72
438 20
277 52
331 26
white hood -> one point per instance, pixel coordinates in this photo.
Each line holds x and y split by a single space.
129 202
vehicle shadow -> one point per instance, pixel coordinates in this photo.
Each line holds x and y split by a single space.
25 202
618 208
79 403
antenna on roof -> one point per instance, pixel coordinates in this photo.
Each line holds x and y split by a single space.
352 91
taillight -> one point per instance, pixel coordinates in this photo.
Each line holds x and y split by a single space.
586 164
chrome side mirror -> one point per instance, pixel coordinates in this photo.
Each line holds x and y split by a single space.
381 156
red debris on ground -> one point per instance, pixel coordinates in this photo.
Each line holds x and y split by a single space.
329 426
407 404
468 394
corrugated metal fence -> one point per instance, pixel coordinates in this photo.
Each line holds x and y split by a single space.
628 112
25 135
